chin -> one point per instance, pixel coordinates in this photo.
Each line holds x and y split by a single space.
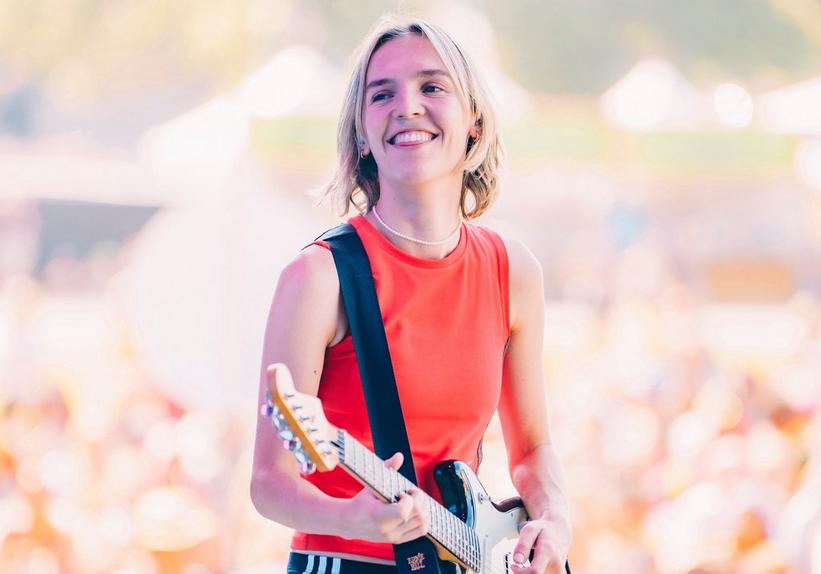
417 175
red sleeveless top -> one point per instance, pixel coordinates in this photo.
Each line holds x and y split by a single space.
447 324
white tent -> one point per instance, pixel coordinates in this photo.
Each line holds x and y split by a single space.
653 95
299 80
794 109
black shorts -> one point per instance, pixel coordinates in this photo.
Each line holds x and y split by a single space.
314 564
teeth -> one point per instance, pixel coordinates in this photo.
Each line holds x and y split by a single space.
406 137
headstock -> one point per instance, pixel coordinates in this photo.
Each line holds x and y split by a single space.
299 421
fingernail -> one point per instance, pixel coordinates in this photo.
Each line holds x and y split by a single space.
519 558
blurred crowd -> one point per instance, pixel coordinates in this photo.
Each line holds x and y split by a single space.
689 429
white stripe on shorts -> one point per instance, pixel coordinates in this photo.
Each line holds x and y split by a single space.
310 564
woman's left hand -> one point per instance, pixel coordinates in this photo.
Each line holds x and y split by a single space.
549 541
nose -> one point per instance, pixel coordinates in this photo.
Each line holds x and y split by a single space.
408 104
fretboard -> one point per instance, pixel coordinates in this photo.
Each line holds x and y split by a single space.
445 528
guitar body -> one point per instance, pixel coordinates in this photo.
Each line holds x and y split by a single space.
496 524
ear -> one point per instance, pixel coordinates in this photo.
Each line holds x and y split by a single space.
364 150
476 129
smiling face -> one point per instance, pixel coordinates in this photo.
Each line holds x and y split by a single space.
416 121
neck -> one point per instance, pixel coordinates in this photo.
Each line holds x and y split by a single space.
428 213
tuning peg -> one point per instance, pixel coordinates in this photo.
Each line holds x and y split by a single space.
266 410
279 421
292 444
286 434
306 465
302 457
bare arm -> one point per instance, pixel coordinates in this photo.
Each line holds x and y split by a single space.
534 467
305 318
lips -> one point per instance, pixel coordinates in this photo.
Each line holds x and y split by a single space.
412 137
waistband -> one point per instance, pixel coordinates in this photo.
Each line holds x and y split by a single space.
299 563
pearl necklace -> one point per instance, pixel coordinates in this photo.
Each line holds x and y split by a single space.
413 239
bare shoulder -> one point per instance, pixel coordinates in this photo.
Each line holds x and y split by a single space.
524 267
525 281
308 291
312 268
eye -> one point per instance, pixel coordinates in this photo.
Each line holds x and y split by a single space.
380 96
432 89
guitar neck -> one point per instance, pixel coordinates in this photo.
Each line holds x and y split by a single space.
445 528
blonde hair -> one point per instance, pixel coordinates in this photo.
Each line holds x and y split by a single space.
356 183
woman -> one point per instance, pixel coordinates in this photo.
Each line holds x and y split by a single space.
463 313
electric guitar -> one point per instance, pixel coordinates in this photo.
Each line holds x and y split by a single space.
471 533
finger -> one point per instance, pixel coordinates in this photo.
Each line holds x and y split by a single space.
419 498
420 504
527 538
403 507
411 530
395 462
546 559
541 558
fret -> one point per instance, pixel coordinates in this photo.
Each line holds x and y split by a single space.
339 445
358 451
370 470
373 469
386 482
376 473
360 461
379 476
366 468
383 479
343 449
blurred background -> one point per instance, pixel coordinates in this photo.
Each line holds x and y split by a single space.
159 163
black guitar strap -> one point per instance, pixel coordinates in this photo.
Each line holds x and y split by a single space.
376 371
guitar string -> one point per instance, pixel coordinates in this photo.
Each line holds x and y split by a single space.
455 521
458 537
465 545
